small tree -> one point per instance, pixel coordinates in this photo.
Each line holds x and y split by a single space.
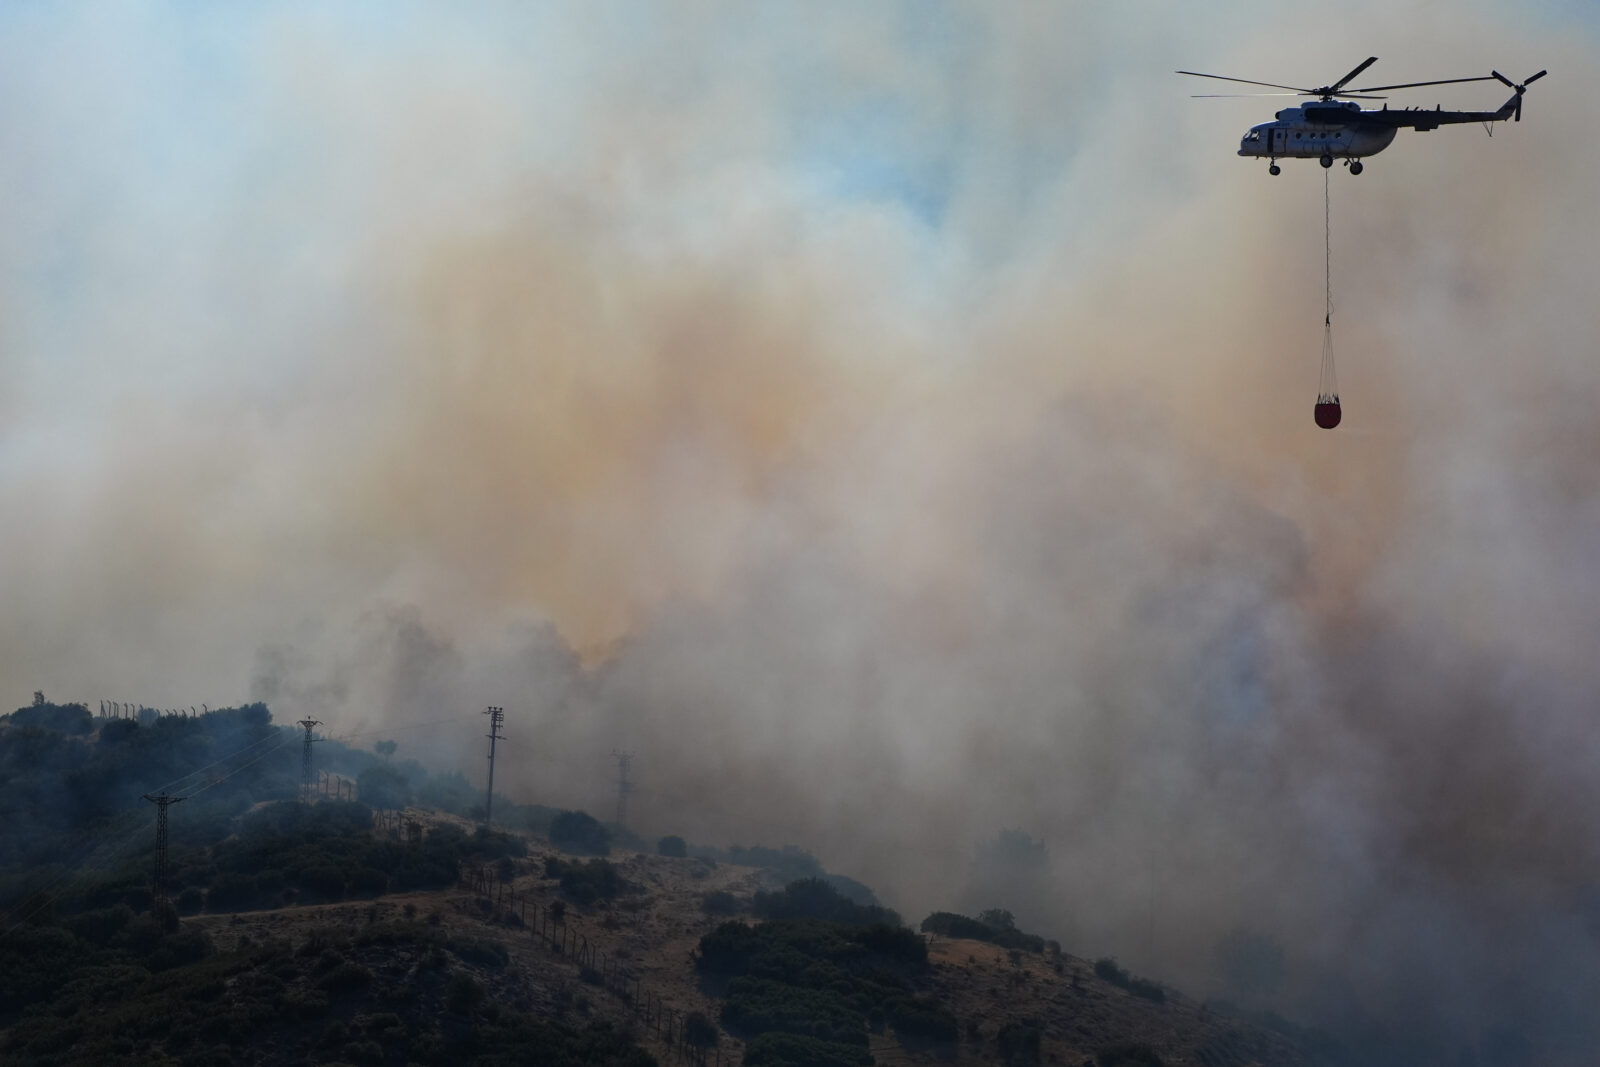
998 919
1019 1043
673 845
699 1031
578 831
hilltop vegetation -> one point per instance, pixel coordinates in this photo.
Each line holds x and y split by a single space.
392 992
818 973
806 986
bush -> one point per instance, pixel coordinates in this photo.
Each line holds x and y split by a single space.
345 976
586 883
484 953
949 924
1131 1053
916 1021
813 898
368 882
232 892
794 1050
73 719
1019 1043
699 1031
1151 991
580 832
463 995
720 902
326 882
673 845
1107 969
757 1005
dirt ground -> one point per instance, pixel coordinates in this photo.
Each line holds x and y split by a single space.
652 932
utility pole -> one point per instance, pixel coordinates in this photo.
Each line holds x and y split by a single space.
158 895
624 787
305 757
496 717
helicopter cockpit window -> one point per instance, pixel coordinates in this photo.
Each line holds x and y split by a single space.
1253 135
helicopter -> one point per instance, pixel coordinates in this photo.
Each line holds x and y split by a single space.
1334 126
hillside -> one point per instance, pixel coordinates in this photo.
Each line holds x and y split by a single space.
373 981
330 932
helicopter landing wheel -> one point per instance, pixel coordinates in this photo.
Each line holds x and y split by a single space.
1356 166
1327 161
1274 170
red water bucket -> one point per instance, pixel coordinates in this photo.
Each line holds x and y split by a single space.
1327 413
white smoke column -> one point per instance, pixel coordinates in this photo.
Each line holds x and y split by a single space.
905 414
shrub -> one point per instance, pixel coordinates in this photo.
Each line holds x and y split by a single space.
720 902
326 882
794 1050
917 1020
1151 991
463 995
344 976
483 952
757 1005
497 844
368 882
698 1029
232 892
1132 1053
586 883
813 898
949 924
580 832
1019 1043
1107 969
673 845
997 919
62 718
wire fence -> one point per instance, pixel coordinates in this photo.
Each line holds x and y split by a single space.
562 935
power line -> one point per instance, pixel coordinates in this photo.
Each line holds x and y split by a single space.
401 728
218 781
624 787
119 839
159 893
173 786
305 760
496 717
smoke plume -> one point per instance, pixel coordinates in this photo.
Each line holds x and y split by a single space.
893 426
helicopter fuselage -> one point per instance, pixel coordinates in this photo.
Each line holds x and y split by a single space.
1340 129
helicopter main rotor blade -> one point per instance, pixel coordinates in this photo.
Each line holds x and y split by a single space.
1413 85
1247 81
1255 96
1334 88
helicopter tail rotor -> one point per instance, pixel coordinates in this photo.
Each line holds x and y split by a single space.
1516 113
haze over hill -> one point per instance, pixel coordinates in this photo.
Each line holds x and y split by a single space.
893 427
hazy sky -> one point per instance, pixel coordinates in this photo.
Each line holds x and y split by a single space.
904 411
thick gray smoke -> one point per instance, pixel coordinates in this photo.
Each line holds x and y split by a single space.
894 427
